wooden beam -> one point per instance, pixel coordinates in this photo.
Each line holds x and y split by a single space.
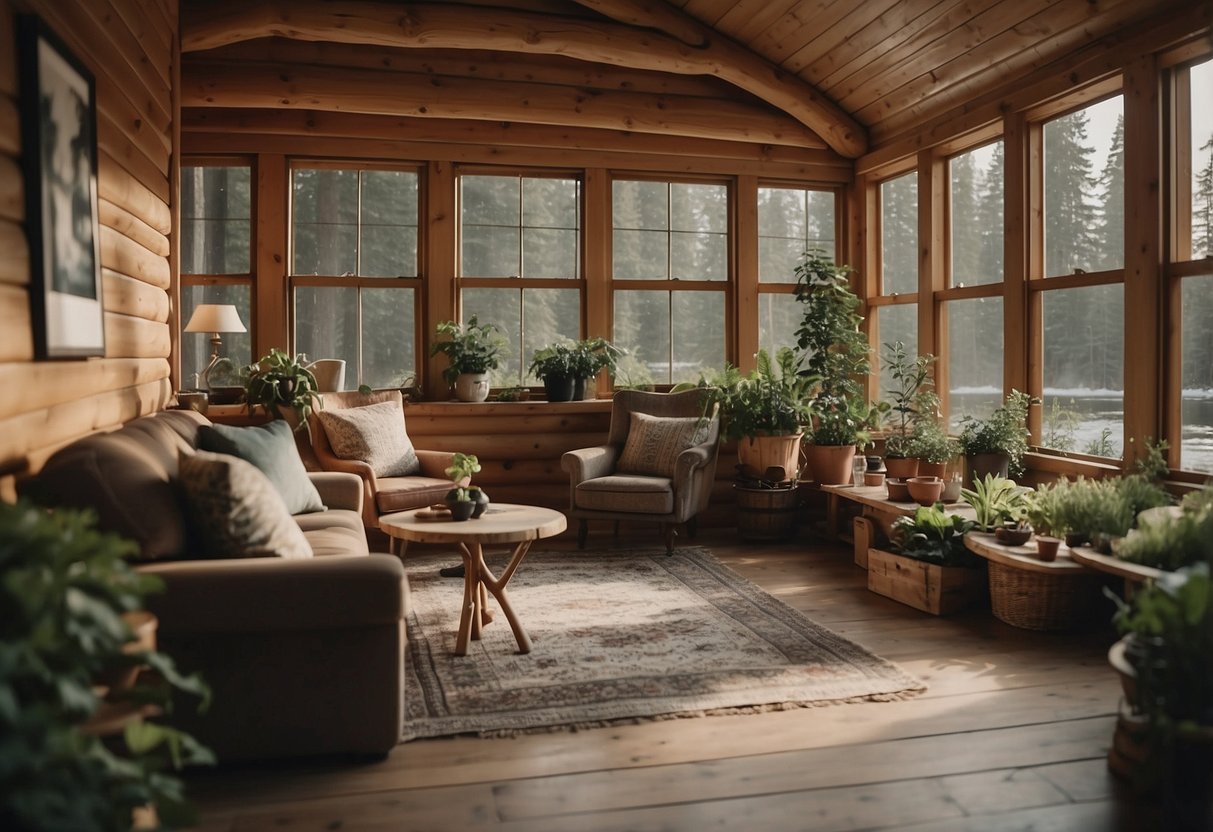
652 14
422 96
271 298
440 258
304 123
453 28
597 298
933 185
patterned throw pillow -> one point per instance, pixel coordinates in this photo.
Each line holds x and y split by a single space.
271 447
654 443
374 434
234 511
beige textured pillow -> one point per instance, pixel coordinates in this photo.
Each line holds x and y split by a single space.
654 443
234 511
374 434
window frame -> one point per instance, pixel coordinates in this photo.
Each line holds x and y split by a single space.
877 299
728 286
416 283
249 279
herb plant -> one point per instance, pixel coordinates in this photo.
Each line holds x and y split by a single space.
934 536
1005 432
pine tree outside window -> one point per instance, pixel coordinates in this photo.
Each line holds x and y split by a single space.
895 309
974 366
1082 332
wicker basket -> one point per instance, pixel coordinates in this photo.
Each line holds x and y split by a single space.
1037 601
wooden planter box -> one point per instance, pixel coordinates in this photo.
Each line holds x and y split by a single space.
924 586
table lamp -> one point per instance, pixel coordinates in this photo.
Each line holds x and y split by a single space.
214 318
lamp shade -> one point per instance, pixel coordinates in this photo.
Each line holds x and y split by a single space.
215 317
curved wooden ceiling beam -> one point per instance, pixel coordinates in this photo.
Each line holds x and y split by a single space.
376 92
434 26
653 14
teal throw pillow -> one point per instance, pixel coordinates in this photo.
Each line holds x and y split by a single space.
271 449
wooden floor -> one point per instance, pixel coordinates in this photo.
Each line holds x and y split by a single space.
1011 734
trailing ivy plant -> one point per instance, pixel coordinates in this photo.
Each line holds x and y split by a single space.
63 588
278 381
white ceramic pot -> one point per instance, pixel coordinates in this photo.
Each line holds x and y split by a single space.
472 387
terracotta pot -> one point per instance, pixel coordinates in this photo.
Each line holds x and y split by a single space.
898 490
925 490
758 454
901 468
831 464
1046 547
873 478
978 465
932 469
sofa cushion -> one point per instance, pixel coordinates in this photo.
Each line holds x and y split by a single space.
270 447
404 493
234 510
629 494
128 478
375 435
336 539
654 443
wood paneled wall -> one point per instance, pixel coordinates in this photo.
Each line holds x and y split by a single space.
130 46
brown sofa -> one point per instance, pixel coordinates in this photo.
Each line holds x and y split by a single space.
304 656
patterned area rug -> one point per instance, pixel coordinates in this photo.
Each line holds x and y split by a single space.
623 635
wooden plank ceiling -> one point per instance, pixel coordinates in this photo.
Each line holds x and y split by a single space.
842 74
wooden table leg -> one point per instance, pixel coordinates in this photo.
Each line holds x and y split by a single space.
468 619
832 502
497 587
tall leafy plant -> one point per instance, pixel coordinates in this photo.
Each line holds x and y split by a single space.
829 339
774 399
63 588
912 399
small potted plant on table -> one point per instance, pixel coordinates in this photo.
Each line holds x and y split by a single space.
911 403
472 350
465 500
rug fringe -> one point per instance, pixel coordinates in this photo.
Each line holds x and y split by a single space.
742 710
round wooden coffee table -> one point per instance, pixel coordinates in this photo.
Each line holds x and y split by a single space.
501 523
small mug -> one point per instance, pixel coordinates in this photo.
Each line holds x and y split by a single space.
193 400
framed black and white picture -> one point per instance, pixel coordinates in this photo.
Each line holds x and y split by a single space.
59 146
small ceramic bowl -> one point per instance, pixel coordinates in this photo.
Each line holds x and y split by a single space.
899 491
1012 536
925 490
873 478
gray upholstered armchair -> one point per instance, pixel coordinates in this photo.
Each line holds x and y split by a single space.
652 468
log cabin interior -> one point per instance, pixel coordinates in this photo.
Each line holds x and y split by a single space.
350 174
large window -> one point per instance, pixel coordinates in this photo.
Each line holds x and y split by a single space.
791 221
216 256
354 269
895 309
1082 337
1191 244
670 255
520 261
972 302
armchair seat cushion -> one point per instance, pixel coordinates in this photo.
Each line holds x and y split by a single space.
337 540
628 493
404 493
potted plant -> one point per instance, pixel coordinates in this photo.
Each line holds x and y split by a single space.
472 350
556 367
997 445
929 569
282 385
765 412
465 500
911 402
1164 736
67 595
933 448
995 500
841 424
1172 538
591 356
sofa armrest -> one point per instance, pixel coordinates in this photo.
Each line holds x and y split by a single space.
338 490
587 463
434 463
272 594
691 459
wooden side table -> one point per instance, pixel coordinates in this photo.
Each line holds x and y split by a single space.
501 523
1132 573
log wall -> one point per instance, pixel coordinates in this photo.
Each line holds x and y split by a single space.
130 47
